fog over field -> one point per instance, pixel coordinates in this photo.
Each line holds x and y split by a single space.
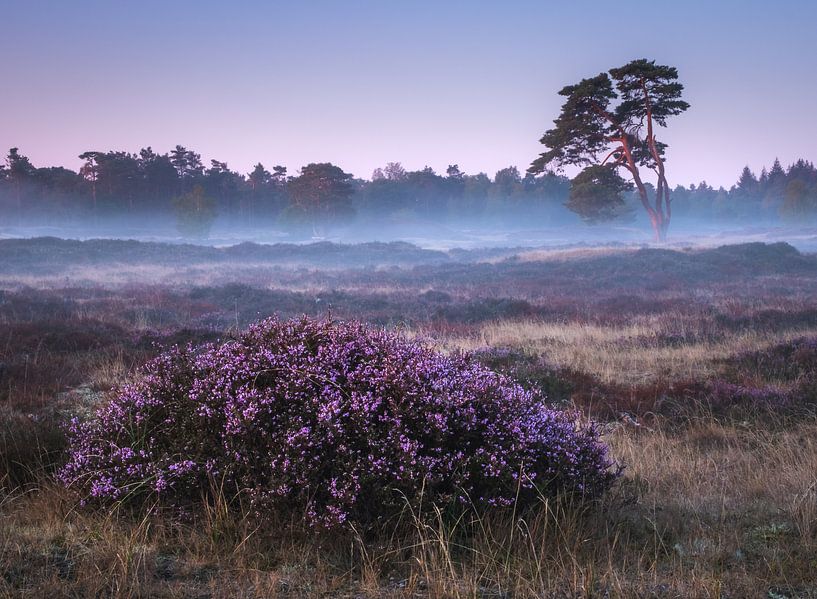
444 236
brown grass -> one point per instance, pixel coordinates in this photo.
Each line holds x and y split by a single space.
622 353
713 510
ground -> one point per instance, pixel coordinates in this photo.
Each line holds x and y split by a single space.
700 364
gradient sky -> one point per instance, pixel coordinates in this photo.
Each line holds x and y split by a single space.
423 83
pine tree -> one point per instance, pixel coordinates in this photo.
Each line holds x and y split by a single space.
747 183
591 126
775 186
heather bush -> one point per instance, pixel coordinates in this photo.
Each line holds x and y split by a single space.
332 421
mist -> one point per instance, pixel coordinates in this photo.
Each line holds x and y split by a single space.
136 196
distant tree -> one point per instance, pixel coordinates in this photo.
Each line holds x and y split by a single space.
178 158
802 170
747 183
591 131
266 192
507 182
776 173
428 190
550 187
19 173
90 172
800 194
387 193
799 202
453 171
744 197
259 178
113 176
320 194
226 187
384 197
60 191
475 195
775 185
723 205
160 180
18 165
394 171
119 178
195 213
596 194
278 199
279 174
763 179
188 166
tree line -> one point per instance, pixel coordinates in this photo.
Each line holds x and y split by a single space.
148 183
607 126
777 193
177 185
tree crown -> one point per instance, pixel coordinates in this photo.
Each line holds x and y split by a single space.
589 123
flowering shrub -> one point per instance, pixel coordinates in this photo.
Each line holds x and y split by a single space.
334 420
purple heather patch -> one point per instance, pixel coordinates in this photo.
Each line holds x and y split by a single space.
338 420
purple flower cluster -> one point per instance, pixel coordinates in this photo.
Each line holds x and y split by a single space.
335 420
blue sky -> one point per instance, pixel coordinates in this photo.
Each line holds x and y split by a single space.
423 83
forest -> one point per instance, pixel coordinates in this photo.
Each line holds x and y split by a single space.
177 188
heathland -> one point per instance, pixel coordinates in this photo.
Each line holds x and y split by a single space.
699 364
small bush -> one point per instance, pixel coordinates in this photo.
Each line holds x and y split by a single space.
335 421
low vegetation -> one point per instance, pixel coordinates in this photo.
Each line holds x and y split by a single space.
700 367
332 422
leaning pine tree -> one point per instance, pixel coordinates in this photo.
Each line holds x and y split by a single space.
609 121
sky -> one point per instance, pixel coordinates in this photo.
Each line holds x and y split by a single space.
362 83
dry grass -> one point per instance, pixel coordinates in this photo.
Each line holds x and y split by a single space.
541 255
712 510
630 354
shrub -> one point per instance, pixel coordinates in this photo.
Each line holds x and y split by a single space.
335 421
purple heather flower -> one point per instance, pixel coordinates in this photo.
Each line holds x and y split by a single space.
339 420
